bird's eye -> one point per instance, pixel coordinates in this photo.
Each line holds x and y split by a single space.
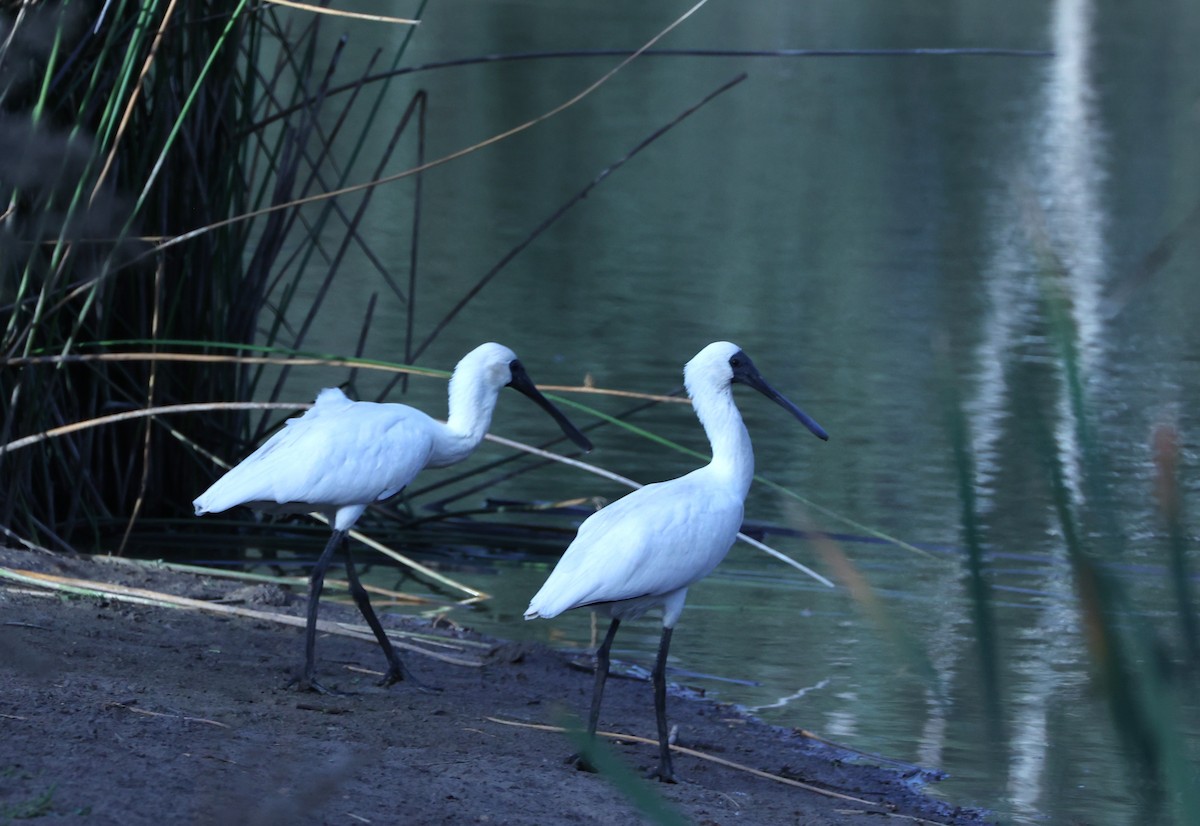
735 362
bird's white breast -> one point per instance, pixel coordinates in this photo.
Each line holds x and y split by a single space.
644 546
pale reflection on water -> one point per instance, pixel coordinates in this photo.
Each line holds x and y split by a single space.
1056 204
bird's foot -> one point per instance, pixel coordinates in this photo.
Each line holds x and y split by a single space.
580 762
398 673
663 774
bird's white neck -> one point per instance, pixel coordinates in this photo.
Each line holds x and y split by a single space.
468 419
732 453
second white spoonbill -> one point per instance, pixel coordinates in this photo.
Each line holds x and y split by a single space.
647 548
342 455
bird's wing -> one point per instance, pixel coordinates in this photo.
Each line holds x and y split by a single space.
338 453
653 541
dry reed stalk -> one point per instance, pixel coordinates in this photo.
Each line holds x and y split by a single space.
144 596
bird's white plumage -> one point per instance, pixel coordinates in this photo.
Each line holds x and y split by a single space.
342 455
645 549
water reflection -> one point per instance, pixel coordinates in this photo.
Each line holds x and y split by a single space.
1049 239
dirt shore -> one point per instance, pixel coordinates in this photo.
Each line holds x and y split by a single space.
116 712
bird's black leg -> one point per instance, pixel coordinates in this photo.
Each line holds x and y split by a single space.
307 680
602 662
397 670
664 772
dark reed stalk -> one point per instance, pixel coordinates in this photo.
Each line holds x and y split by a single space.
361 346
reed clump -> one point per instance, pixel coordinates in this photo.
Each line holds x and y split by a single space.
152 155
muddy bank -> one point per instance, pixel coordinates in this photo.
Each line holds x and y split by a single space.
114 712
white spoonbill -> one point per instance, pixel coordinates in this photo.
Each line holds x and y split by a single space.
645 549
341 455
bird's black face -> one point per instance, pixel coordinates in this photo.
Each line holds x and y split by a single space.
744 372
520 381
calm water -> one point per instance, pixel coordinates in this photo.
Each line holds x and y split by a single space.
844 220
